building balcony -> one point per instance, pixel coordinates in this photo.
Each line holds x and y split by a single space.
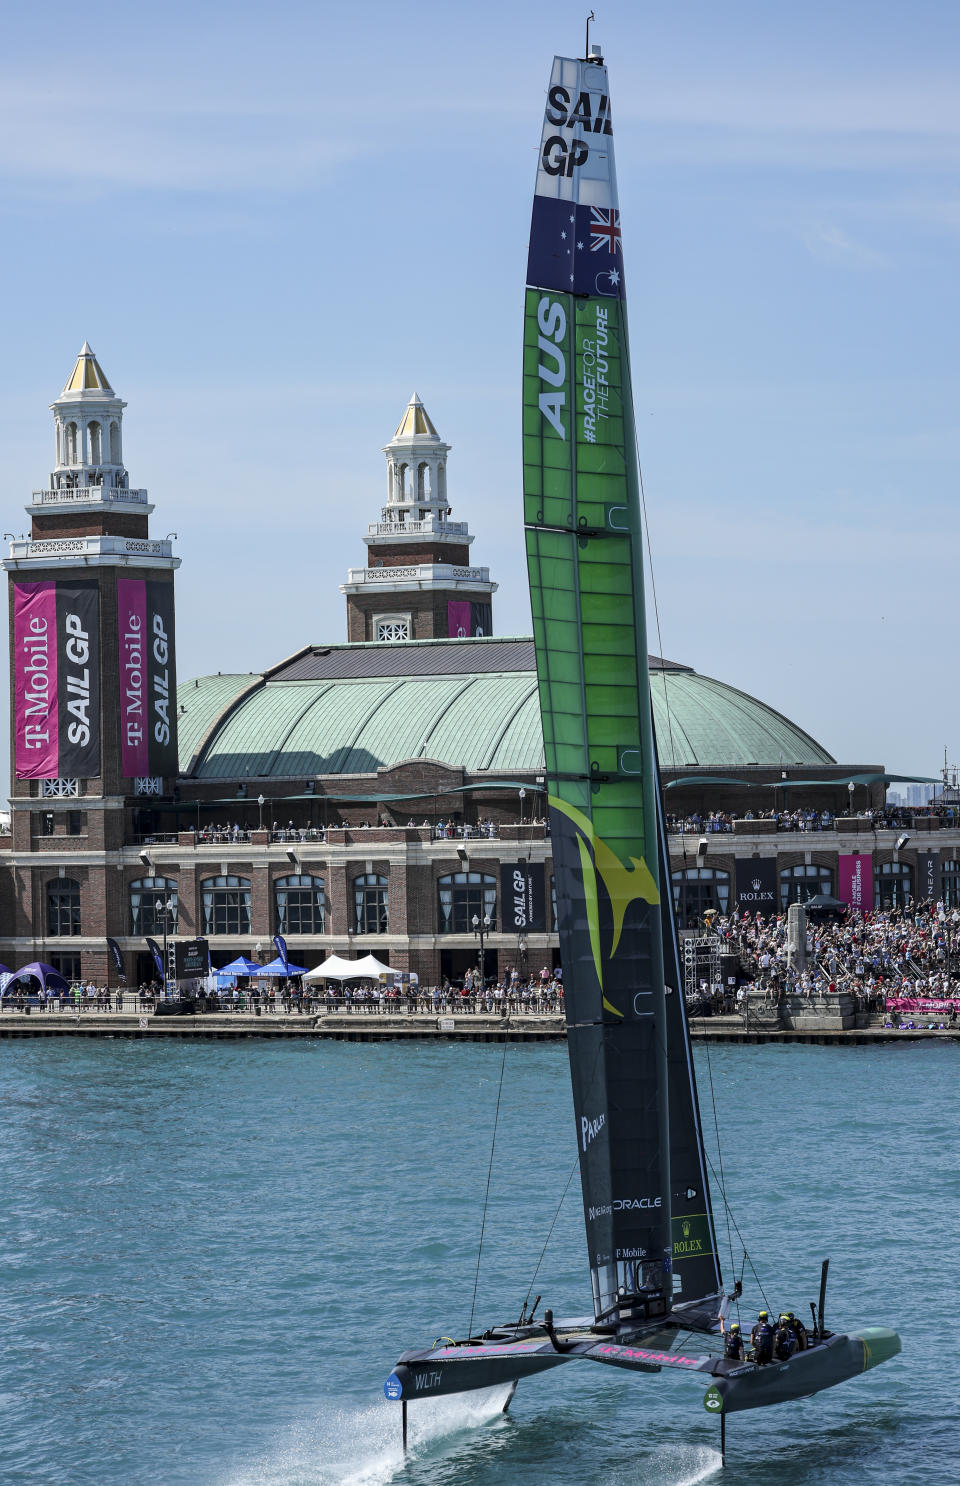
101 495
433 526
91 551
427 574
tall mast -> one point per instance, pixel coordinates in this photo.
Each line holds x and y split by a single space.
584 554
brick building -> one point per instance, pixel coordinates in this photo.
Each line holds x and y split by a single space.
379 795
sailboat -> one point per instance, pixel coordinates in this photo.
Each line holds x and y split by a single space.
659 1301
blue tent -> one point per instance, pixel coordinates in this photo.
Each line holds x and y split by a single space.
240 966
275 967
49 978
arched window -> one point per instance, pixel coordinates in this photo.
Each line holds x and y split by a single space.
70 444
300 904
63 906
695 889
226 905
950 884
800 884
115 454
153 900
370 904
463 897
392 627
93 431
403 480
892 884
424 482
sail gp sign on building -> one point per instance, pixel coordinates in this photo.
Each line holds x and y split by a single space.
148 678
522 896
56 680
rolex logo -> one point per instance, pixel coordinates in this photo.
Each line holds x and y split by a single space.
686 1227
755 884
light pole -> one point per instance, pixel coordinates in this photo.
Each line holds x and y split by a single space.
850 789
260 804
481 927
523 796
166 908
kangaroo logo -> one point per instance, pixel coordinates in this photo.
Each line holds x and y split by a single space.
624 885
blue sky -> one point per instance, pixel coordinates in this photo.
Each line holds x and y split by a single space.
273 224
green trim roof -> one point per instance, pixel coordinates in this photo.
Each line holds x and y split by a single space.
477 719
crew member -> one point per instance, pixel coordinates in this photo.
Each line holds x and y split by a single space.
762 1339
798 1329
784 1341
733 1348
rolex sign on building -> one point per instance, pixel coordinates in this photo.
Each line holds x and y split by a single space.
757 885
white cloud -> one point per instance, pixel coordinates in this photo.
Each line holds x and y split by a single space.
832 245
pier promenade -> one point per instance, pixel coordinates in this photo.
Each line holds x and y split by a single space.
395 1026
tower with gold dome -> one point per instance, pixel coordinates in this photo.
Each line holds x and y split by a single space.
418 582
93 668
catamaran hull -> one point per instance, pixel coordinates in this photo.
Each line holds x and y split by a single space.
834 1361
416 1376
735 1386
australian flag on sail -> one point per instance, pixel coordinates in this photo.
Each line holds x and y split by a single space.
575 249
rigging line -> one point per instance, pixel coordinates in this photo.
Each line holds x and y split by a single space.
723 1183
486 1195
566 1188
656 607
563 1198
746 1253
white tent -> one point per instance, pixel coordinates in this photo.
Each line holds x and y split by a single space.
373 967
335 968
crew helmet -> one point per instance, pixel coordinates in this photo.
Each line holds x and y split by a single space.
763 1315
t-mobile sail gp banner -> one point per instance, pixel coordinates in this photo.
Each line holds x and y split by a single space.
56 680
148 678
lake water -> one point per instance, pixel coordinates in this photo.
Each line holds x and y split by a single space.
214 1254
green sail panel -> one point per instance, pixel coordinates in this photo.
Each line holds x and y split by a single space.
584 557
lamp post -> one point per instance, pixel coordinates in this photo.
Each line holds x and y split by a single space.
260 804
166 909
850 789
523 796
481 927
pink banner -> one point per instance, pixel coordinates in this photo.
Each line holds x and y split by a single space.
36 726
458 619
855 880
920 1003
133 640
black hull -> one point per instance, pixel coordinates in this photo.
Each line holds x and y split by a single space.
732 1387
832 1362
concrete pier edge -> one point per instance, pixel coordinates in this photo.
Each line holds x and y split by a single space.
360 1027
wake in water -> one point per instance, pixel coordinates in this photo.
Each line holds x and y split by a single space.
680 1465
362 1447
